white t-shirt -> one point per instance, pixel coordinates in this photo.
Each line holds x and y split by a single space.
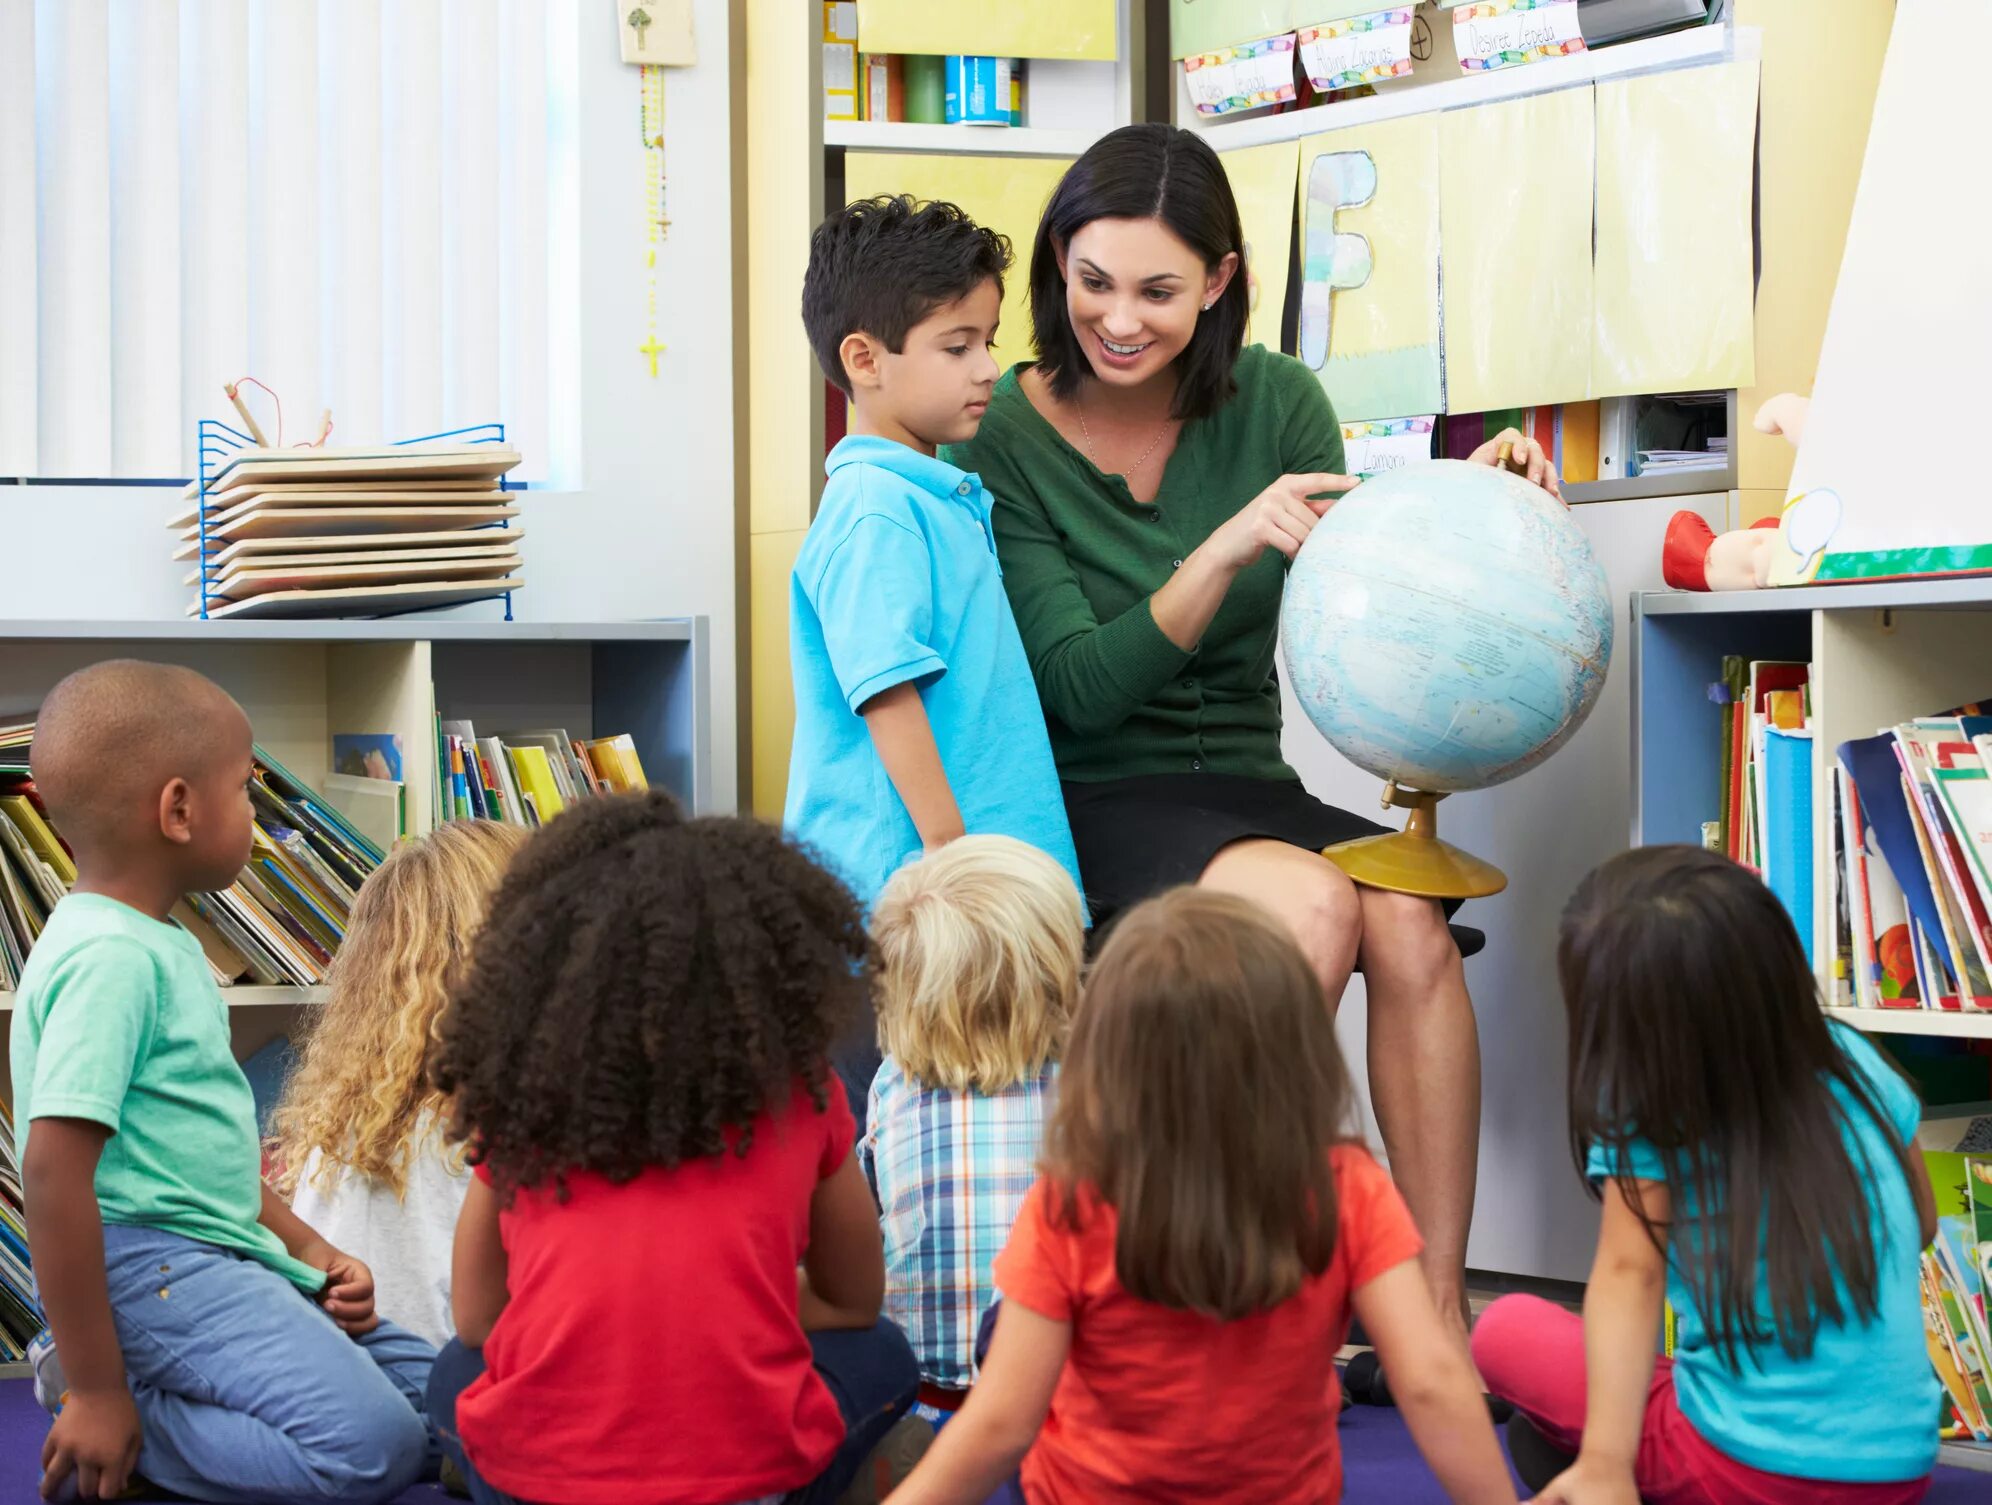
405 1241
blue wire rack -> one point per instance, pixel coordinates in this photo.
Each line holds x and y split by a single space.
218 443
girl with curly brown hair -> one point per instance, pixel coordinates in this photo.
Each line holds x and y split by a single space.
668 1274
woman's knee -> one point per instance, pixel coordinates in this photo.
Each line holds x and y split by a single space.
1406 936
1321 908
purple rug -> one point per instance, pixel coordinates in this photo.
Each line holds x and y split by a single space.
1379 1461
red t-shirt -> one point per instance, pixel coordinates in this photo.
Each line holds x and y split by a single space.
1161 1404
651 1352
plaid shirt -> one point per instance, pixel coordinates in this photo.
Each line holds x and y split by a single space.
950 1170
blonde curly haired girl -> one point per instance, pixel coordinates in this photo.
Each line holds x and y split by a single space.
355 1137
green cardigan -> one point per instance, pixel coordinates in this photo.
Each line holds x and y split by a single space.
1081 558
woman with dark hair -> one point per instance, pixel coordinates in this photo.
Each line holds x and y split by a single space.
1152 476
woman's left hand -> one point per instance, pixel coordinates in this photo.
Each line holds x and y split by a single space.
1525 457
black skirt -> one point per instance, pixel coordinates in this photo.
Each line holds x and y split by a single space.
1139 836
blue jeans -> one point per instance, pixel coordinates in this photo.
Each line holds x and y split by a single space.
871 1373
247 1391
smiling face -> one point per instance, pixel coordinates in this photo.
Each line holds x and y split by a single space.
1134 291
935 388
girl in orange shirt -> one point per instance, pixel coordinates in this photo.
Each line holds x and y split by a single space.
1180 1278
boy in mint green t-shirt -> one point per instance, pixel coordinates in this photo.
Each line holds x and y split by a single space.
202 1334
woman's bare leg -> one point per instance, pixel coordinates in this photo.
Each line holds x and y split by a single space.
1319 904
1424 1051
1424 1073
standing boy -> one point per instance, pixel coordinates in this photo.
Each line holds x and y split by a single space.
916 717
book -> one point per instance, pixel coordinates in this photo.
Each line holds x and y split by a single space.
534 771
1786 780
376 808
617 757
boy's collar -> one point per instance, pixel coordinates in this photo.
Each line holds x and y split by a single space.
931 474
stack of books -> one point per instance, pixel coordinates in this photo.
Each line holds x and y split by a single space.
350 532
1956 1270
527 778
1912 864
20 1312
278 923
1909 870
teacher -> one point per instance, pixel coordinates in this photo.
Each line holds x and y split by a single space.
1152 478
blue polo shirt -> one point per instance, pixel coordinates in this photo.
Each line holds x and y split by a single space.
897 582
1791 1416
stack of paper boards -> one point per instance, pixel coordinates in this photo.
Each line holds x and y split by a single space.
1956 1272
527 778
351 532
279 922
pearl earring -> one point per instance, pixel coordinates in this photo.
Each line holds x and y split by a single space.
1207 303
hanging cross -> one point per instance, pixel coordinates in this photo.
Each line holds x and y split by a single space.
651 348
640 19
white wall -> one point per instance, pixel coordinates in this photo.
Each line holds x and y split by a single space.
1546 830
650 533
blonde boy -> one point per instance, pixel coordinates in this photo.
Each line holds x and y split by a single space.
980 946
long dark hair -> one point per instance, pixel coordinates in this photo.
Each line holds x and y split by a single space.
1146 172
1201 1090
1695 1026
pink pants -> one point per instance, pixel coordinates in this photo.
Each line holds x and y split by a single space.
1531 1354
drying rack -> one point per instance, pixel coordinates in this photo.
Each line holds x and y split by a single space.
217 441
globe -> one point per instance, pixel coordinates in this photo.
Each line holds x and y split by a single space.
1446 626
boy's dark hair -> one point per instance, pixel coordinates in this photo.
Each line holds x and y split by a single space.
644 987
1146 172
879 266
1695 1026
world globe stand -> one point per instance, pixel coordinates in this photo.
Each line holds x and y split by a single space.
1414 860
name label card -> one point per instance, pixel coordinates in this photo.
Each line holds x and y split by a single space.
1492 34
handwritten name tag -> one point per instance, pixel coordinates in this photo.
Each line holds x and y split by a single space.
1370 449
1244 77
1360 50
1507 33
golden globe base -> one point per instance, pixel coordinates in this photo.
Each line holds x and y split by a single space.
1414 860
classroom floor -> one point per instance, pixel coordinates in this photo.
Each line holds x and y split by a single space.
1378 1460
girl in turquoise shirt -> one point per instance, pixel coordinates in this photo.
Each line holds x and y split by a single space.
1754 1164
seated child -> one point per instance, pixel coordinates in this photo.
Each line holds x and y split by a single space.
203 1333
1180 1279
916 716
979 946
357 1133
667 1272
1754 1162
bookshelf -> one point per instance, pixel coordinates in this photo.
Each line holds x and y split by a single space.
303 681
1880 654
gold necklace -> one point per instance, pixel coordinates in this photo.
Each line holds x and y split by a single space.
1087 434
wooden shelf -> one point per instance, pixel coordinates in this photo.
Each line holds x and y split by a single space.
245 996
956 140
1681 49
411 629
1965 593
1973 1026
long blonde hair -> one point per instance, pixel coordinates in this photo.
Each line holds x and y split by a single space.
979 948
361 1084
